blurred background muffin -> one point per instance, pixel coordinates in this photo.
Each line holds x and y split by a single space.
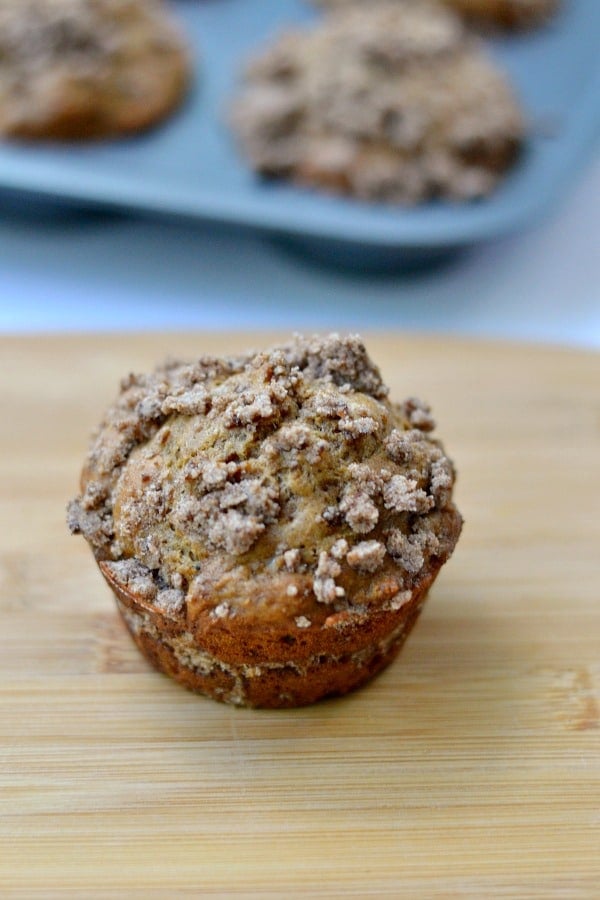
77 69
394 102
515 279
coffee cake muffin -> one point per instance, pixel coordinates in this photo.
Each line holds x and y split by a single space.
81 69
503 13
395 102
270 523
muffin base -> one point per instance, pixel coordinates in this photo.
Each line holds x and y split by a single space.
265 684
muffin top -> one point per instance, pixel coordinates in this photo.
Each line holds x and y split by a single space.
281 484
396 102
40 33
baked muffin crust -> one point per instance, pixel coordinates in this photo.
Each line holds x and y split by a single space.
269 522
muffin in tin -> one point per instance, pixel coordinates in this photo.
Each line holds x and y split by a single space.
395 102
88 69
270 523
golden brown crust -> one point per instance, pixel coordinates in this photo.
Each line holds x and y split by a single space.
270 524
73 71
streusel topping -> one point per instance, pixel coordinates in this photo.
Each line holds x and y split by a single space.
289 466
396 102
37 34
87 68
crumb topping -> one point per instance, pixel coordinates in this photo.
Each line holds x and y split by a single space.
367 556
397 102
135 576
90 35
359 511
324 586
221 611
170 600
339 549
418 414
259 469
403 495
71 68
293 560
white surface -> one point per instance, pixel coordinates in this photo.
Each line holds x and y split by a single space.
110 273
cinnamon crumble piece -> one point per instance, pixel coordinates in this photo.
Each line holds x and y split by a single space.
293 560
402 495
367 556
324 584
359 510
418 414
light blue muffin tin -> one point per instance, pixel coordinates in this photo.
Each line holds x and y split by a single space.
190 167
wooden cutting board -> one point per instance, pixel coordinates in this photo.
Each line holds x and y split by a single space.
471 768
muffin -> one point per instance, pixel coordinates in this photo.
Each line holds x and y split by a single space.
502 13
396 102
81 69
269 523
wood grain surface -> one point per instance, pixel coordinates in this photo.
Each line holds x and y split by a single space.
471 768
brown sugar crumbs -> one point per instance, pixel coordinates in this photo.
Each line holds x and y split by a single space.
290 464
367 556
